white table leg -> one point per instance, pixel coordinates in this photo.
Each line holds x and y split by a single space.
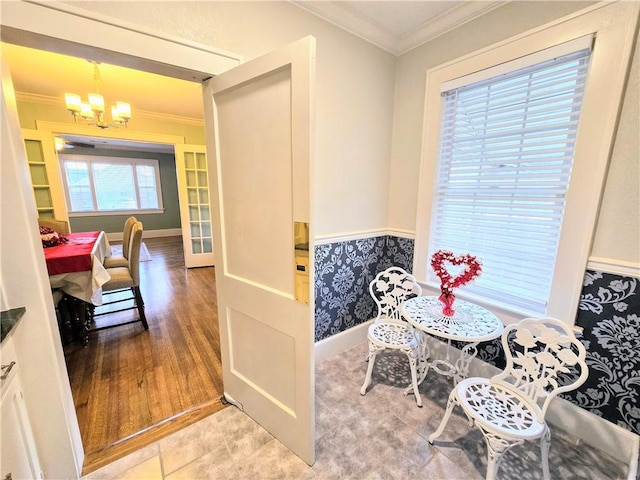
468 353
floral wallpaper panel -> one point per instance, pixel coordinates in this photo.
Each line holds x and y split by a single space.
343 273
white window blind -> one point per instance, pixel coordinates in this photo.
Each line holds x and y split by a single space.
504 165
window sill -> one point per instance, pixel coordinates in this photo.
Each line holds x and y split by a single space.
117 212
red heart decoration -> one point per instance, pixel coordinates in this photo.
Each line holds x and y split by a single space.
472 268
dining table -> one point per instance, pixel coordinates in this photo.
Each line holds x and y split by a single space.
470 324
76 268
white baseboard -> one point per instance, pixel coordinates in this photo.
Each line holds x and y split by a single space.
338 343
621 444
167 232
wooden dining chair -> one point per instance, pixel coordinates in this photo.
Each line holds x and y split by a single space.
125 280
60 226
390 330
122 260
544 358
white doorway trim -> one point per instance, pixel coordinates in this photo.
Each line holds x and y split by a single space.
57 128
68 30
72 31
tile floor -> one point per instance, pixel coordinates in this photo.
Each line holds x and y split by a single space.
382 435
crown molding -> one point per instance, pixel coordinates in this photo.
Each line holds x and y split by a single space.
444 23
341 15
347 18
58 102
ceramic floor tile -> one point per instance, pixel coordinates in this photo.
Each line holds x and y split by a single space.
443 467
243 436
207 467
192 442
333 383
149 470
274 461
116 469
400 449
326 420
379 436
342 455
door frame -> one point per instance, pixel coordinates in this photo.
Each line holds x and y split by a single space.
70 30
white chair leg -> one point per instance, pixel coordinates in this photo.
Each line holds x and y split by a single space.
496 447
373 352
413 362
545 441
453 401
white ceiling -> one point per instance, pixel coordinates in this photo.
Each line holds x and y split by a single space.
396 26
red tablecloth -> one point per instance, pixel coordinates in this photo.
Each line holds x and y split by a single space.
74 256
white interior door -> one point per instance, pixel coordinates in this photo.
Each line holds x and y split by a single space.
259 121
195 210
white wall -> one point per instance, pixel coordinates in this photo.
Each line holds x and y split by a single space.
355 84
618 231
45 382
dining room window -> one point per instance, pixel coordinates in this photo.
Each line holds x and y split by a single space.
105 185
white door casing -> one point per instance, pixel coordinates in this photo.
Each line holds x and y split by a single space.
62 28
259 122
195 206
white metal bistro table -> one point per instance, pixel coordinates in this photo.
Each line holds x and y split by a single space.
470 324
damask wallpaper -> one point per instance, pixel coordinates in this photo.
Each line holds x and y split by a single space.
343 273
609 313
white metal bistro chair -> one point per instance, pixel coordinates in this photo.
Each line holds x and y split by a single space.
544 358
390 330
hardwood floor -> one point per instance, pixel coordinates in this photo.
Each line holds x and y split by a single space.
130 386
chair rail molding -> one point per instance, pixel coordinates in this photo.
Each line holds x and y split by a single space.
358 234
614 266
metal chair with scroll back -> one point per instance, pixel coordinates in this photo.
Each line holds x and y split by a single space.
390 330
544 358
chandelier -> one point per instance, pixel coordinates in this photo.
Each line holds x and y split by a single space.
93 109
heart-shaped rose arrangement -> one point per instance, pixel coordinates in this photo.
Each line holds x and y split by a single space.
472 267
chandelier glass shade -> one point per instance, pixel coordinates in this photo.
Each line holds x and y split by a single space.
93 110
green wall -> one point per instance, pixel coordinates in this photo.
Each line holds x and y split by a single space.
157 221
193 133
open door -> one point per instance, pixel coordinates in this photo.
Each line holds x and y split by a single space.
259 122
195 212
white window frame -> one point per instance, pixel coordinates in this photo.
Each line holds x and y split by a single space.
133 162
613 26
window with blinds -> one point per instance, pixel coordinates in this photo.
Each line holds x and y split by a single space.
111 184
504 165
